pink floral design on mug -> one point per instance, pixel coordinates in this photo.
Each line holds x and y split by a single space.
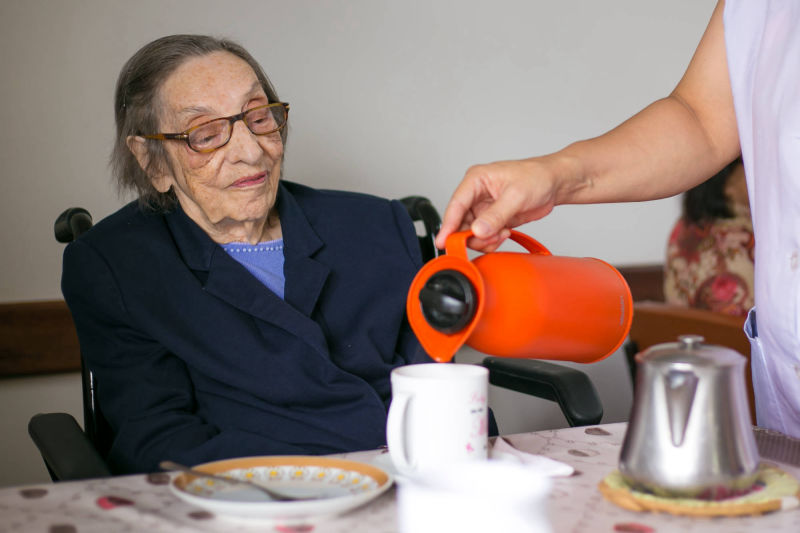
439 415
478 437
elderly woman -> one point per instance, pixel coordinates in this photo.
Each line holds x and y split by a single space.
227 312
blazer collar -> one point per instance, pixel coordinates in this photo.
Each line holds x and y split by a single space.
197 248
224 277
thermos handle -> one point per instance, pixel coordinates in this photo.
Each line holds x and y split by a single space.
456 244
396 431
529 243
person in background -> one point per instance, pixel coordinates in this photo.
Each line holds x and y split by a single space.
709 263
739 96
228 312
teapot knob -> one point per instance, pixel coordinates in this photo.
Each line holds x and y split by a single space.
448 301
688 342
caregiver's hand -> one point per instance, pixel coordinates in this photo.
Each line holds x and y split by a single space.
496 197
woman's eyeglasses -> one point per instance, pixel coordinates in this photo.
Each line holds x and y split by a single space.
214 134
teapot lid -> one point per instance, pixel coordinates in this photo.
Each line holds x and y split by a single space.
691 349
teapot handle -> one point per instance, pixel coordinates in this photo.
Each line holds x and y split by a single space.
456 245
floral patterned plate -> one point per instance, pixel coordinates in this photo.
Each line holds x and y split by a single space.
337 485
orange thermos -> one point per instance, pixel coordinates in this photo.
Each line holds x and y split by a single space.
513 304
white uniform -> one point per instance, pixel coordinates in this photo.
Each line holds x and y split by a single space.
762 40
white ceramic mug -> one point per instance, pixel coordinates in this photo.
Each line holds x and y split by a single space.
439 415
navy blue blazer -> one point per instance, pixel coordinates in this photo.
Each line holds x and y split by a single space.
196 360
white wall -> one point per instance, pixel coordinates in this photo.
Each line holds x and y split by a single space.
388 97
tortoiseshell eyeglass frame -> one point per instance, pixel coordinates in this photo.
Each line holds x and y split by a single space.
184 135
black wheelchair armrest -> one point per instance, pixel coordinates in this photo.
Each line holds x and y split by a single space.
67 452
570 388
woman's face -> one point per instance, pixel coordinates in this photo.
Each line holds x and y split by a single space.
231 190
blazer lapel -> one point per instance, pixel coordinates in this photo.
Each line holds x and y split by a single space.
223 277
305 275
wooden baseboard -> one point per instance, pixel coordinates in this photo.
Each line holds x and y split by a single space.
37 338
646 281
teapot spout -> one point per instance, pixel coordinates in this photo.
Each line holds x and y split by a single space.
680 387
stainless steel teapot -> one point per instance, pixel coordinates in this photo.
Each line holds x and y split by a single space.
689 431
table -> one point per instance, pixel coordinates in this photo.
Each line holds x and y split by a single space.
144 502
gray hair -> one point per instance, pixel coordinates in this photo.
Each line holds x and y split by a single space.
136 109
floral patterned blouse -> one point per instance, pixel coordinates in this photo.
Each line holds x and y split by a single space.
710 266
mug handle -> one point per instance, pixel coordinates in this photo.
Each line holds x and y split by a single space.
395 431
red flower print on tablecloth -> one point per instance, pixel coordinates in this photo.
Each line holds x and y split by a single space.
109 502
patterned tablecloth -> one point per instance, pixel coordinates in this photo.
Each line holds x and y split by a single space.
145 503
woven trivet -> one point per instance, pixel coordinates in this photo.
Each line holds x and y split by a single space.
780 491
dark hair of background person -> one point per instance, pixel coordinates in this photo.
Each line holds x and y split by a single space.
708 201
137 107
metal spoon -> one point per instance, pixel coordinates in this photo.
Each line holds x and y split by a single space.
171 465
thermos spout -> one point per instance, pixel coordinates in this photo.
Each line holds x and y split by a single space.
448 301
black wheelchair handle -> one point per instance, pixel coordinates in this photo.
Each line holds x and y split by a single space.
71 223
